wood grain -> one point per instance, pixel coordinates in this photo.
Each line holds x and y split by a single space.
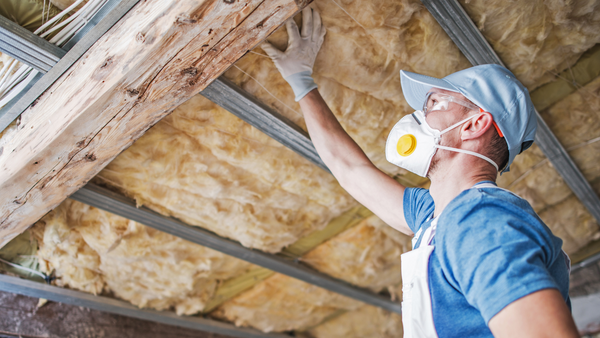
158 56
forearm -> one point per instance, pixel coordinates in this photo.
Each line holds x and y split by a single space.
335 147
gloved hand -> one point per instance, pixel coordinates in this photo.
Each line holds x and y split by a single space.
296 63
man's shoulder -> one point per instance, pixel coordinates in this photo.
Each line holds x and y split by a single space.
488 213
486 201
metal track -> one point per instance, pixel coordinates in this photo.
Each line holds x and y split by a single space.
107 17
237 101
105 304
26 47
461 29
104 199
590 260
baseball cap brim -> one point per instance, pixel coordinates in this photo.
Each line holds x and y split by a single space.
415 87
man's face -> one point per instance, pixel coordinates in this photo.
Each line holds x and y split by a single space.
453 112
443 118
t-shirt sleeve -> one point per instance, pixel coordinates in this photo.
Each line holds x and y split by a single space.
494 253
418 206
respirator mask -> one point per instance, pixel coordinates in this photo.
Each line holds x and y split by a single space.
412 142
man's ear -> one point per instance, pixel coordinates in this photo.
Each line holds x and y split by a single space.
477 126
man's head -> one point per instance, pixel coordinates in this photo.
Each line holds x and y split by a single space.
506 118
478 134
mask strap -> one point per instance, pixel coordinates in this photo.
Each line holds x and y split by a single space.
470 153
458 124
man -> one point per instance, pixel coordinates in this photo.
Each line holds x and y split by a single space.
482 263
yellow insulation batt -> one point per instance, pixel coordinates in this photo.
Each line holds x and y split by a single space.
368 255
206 167
537 39
281 303
368 321
95 251
357 69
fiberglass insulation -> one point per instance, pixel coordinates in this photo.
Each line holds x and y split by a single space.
357 69
537 39
206 167
95 251
281 303
368 321
366 255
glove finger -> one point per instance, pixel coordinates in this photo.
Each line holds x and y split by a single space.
317 26
293 34
307 22
271 51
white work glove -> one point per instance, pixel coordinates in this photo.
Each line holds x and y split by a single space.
296 63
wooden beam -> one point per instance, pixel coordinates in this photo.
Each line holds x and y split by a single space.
105 18
26 47
160 54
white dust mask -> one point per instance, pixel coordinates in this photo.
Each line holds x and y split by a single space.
412 144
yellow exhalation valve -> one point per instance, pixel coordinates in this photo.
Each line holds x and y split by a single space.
406 145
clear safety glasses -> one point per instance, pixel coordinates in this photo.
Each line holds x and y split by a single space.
435 101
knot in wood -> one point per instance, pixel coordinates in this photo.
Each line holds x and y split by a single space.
192 71
106 63
228 1
90 157
133 92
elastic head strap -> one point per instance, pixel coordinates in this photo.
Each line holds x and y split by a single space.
483 157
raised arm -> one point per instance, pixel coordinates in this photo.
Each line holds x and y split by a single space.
348 163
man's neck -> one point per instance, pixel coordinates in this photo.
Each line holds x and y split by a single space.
446 184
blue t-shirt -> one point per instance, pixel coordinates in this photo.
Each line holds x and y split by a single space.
491 249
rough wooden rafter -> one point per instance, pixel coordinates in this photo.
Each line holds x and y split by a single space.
159 55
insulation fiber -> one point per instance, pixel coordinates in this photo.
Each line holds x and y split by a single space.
208 168
281 303
368 255
368 321
95 251
537 39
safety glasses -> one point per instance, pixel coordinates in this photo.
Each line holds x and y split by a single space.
435 101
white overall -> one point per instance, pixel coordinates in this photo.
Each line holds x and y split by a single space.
417 311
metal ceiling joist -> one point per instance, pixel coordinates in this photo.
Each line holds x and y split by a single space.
237 101
590 260
19 43
104 199
105 304
461 29
65 57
